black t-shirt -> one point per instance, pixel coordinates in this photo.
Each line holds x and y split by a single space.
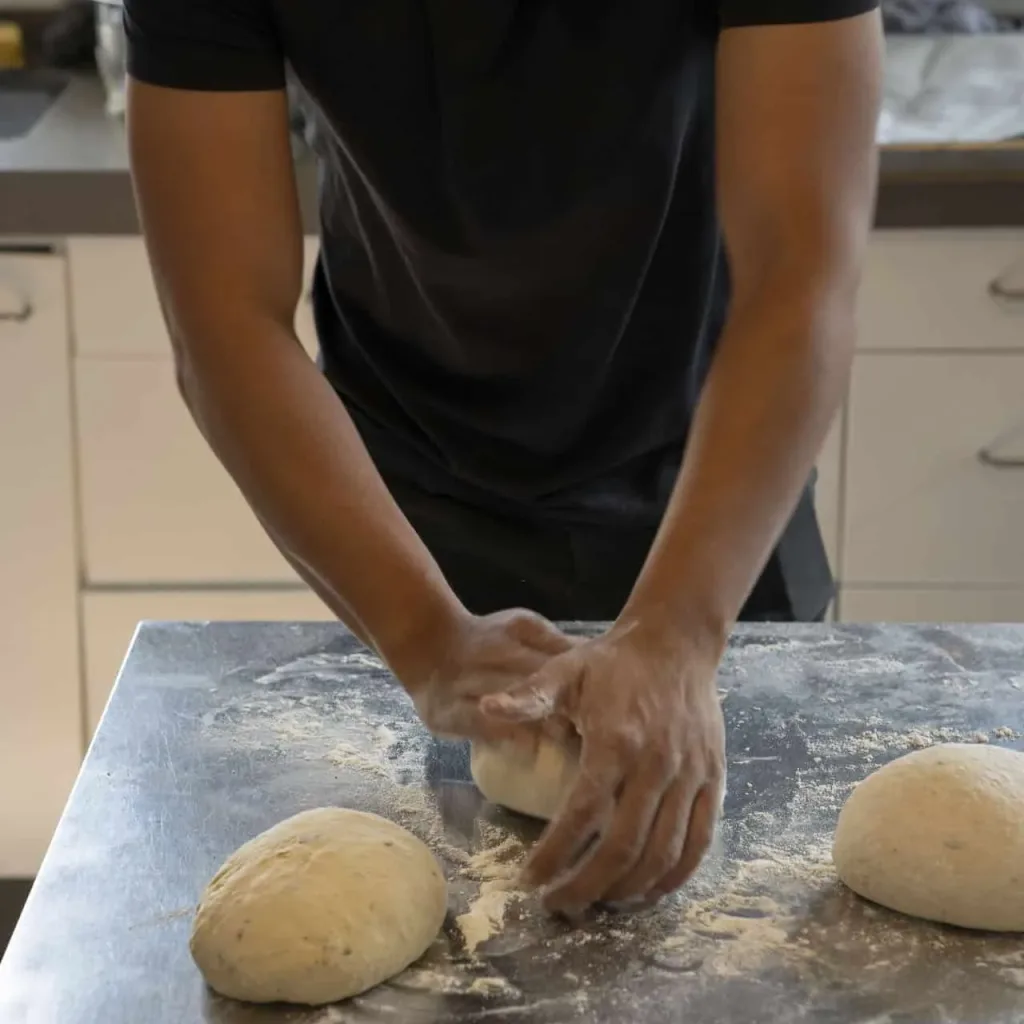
521 280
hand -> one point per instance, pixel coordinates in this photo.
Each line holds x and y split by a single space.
643 810
480 655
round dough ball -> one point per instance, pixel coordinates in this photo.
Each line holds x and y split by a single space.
939 834
318 908
533 782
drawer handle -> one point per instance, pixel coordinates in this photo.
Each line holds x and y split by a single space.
998 290
987 456
1003 292
21 311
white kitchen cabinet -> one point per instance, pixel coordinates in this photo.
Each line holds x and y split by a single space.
115 309
865 604
40 705
921 507
157 506
943 289
109 620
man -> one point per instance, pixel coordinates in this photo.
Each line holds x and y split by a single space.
534 391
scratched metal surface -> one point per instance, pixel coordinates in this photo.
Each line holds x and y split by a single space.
216 732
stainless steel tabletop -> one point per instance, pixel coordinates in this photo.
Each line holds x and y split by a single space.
215 732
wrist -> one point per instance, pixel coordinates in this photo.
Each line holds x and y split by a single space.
674 627
421 639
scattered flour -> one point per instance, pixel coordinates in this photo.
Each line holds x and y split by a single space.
329 1015
748 920
492 987
429 979
873 739
773 902
347 755
497 868
485 916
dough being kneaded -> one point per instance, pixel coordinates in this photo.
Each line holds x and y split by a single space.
531 782
318 908
939 834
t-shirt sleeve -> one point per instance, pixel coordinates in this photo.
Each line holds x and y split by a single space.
736 13
209 45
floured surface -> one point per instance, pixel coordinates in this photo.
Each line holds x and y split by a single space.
216 732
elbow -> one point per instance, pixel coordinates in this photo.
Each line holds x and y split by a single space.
184 373
813 299
803 305
194 389
188 379
801 327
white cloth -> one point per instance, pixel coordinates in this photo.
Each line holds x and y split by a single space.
966 88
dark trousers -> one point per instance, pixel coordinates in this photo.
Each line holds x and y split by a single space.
564 572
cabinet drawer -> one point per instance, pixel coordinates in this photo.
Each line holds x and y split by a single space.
921 507
109 621
156 505
861 604
40 708
114 308
934 290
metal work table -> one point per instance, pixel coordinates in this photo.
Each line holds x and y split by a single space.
215 732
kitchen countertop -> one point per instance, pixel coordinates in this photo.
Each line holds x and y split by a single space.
216 731
69 176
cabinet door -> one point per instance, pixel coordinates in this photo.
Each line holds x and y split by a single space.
921 507
115 311
40 709
948 290
109 620
157 506
114 308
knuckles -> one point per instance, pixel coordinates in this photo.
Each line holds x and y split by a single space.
622 852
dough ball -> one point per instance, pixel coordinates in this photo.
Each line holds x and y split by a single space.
318 908
939 834
532 782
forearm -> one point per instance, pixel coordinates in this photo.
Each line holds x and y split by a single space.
772 392
288 442
319 587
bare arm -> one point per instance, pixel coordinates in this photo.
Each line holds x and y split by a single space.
216 192
797 107
796 175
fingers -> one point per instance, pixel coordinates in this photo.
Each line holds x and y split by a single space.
465 721
698 838
617 852
535 631
664 847
642 845
559 729
540 696
585 816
